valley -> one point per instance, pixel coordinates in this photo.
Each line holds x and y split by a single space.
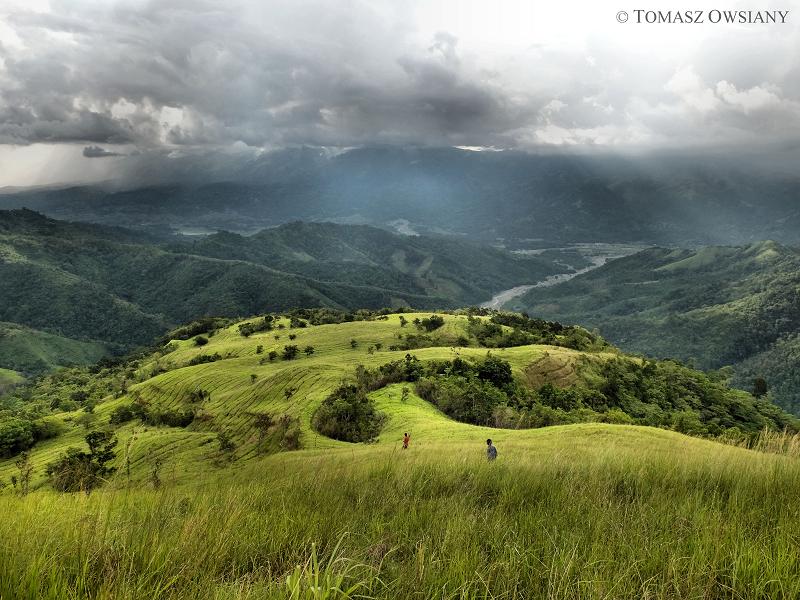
595 254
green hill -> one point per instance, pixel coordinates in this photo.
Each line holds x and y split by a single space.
564 512
715 306
31 351
111 288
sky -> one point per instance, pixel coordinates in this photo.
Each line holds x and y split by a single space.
87 87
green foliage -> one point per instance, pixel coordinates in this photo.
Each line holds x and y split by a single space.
201 359
207 325
77 470
123 414
264 324
713 307
431 323
76 292
348 414
16 435
289 352
200 340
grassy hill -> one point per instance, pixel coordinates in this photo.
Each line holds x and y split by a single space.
109 288
221 508
714 306
31 351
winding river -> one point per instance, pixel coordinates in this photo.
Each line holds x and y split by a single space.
596 254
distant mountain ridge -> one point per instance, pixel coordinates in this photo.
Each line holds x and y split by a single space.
120 289
715 306
511 196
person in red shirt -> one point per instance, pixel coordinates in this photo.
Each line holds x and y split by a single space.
406 440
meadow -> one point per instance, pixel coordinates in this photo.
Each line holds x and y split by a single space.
570 512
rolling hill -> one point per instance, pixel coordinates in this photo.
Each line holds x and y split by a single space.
117 289
567 507
713 306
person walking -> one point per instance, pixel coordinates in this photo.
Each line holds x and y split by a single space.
491 451
406 440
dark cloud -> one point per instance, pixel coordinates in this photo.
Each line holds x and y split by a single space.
179 73
98 152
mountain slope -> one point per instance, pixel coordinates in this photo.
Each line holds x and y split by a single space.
121 289
513 196
431 519
240 382
714 306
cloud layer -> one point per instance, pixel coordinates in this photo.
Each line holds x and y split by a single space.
174 74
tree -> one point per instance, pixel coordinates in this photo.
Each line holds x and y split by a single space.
495 370
25 468
16 435
273 354
760 387
200 340
432 322
253 378
403 321
289 352
348 414
353 343
309 350
77 470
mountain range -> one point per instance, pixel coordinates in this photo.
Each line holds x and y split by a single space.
516 198
72 292
714 307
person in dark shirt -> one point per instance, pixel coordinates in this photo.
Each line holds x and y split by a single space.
491 450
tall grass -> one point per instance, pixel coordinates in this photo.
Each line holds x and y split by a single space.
609 521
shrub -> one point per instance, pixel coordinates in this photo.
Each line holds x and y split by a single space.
199 395
200 340
249 328
225 442
431 323
289 352
16 435
77 470
46 429
348 414
122 414
204 358
170 418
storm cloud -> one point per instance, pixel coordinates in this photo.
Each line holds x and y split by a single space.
98 152
179 74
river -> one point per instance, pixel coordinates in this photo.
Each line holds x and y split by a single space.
596 254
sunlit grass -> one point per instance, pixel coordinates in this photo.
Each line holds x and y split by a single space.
589 511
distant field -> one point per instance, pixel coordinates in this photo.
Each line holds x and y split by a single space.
570 512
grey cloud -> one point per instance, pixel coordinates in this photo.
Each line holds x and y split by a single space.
271 74
98 152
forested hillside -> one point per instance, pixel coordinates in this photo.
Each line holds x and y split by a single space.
114 289
714 307
666 199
